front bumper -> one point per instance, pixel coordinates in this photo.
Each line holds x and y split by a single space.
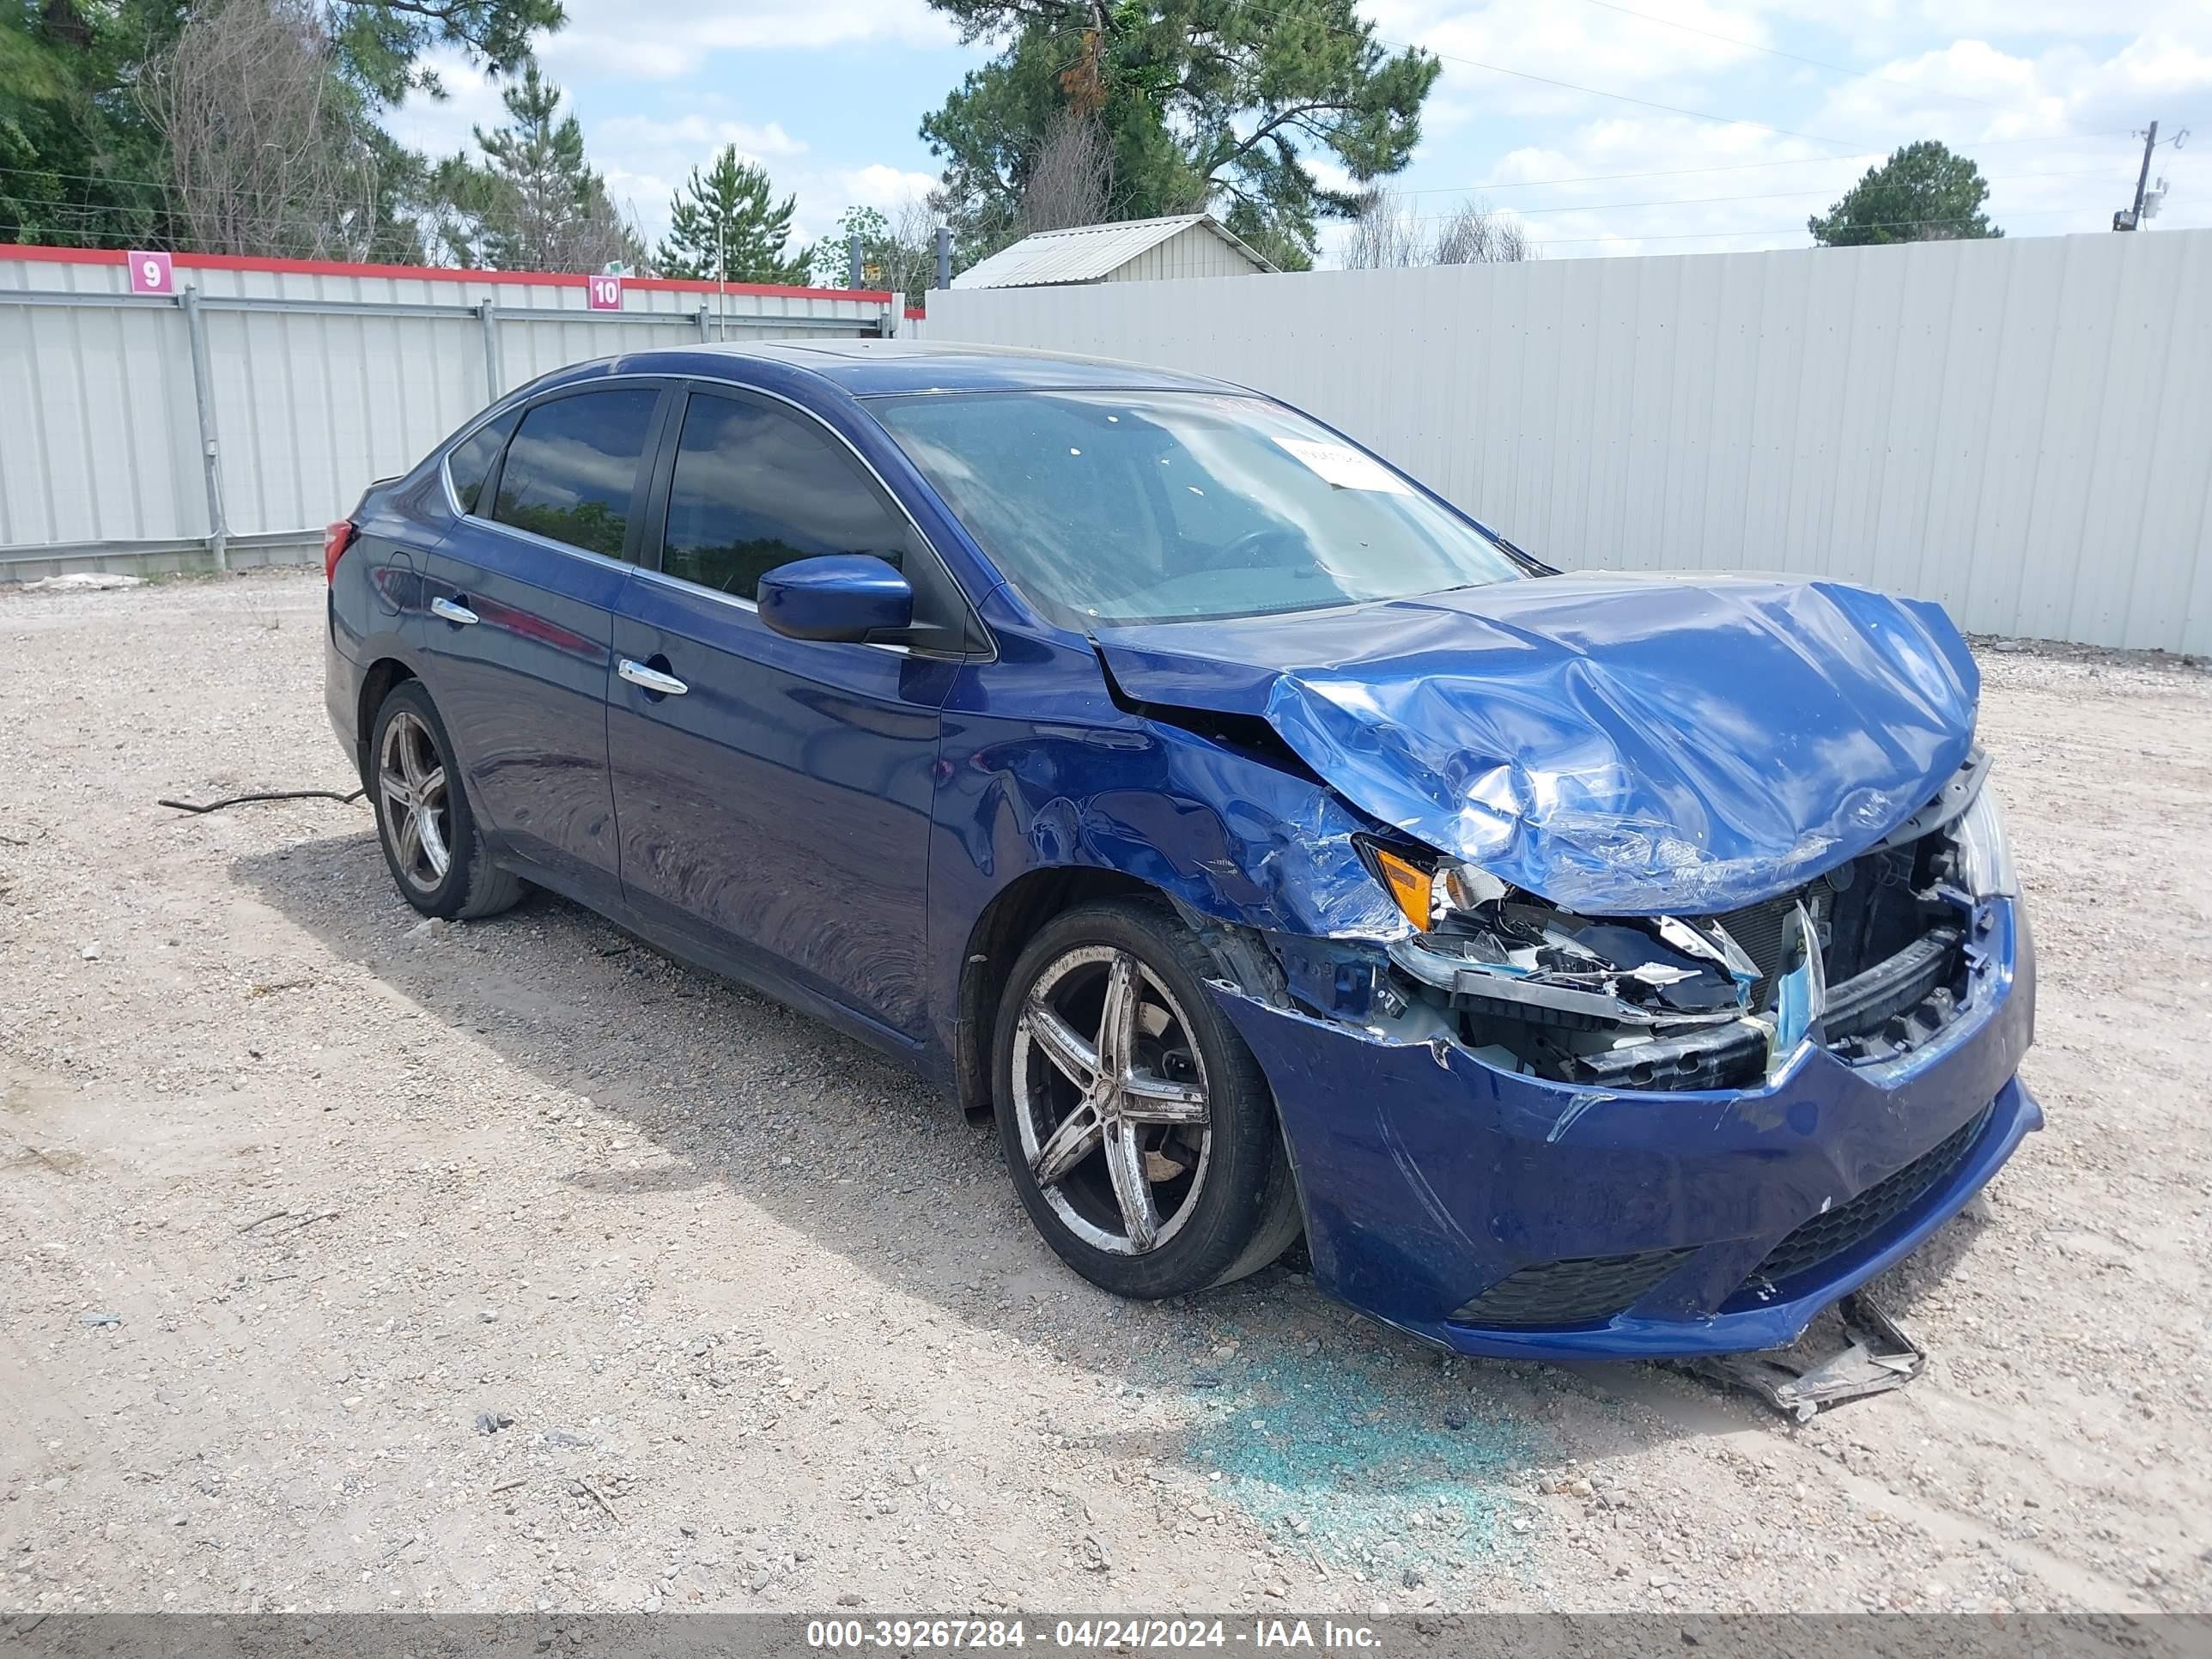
1429 1177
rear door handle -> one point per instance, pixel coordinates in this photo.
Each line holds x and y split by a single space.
453 611
651 678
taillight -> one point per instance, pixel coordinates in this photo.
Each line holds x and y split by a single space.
335 539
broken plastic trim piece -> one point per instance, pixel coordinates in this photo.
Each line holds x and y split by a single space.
1486 982
1959 792
1877 1356
1801 989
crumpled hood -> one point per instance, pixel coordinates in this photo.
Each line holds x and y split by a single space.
1619 745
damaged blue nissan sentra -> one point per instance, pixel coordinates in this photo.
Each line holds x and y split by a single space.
1583 964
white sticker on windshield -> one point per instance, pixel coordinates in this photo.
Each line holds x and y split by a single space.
1345 467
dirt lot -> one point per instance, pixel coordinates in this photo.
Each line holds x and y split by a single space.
299 1199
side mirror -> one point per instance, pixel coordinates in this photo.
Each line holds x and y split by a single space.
838 596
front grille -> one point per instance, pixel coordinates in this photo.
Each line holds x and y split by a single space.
1759 929
1825 1236
1573 1291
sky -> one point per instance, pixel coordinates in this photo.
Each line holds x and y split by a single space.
1645 126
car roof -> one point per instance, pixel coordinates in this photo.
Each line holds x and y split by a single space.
875 368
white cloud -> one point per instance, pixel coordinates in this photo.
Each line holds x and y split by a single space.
1659 183
645 160
878 186
825 193
1585 45
441 126
2052 131
2015 18
662 40
2040 94
699 137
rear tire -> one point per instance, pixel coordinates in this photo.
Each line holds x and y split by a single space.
431 842
1165 1173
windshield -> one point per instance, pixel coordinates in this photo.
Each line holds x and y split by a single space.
1176 506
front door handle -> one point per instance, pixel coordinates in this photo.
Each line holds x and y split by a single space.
453 611
651 678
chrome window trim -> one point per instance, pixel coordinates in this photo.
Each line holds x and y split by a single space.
737 602
486 416
445 461
536 540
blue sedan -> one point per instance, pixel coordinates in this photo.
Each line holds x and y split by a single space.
1582 965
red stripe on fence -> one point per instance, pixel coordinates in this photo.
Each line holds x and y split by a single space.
104 255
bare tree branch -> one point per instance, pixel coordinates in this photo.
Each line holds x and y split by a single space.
1387 234
262 157
1070 182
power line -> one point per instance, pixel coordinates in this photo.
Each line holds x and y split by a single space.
1426 190
1620 97
1795 230
92 217
1566 86
310 237
164 186
1762 196
1799 57
1684 173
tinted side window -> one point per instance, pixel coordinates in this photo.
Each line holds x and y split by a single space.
469 464
755 486
573 464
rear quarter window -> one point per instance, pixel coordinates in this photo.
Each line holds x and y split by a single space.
468 464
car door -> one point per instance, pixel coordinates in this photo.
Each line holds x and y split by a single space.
777 807
518 638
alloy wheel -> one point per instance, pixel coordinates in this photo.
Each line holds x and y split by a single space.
411 792
1110 1100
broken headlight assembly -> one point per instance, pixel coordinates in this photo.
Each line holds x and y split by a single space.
1639 1001
1872 959
1984 856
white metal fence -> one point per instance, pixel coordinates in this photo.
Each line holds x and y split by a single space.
2021 429
233 419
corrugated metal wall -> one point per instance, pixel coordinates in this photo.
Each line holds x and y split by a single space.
2020 429
99 434
1196 251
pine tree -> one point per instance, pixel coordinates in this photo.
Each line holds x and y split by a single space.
534 202
1160 106
722 227
1925 192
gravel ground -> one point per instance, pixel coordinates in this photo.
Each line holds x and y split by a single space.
354 1264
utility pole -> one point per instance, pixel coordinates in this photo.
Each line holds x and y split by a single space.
2134 216
2131 218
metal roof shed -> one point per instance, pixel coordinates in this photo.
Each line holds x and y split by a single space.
1135 250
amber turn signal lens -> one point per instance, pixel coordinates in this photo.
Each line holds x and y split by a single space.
1409 885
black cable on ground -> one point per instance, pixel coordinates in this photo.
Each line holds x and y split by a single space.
278 794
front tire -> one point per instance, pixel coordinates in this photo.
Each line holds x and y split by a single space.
431 842
1137 1125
